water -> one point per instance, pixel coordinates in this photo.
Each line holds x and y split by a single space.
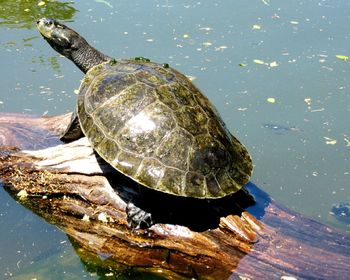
271 70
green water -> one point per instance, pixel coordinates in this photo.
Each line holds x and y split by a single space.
271 70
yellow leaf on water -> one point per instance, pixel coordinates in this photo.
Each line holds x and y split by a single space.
342 57
307 100
256 27
41 3
207 44
330 141
271 100
221 48
273 64
258 61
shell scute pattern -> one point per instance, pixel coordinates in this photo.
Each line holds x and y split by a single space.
208 155
175 96
111 118
127 163
195 184
172 182
152 124
102 89
150 172
143 132
177 140
192 119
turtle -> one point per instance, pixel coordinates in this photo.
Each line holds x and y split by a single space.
150 123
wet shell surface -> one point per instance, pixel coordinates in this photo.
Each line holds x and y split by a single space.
152 124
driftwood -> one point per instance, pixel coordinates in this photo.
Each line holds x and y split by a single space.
69 186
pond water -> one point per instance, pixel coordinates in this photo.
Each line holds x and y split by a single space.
277 72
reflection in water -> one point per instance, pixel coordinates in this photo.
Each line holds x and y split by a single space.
23 13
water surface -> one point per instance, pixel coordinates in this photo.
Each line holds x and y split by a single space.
275 70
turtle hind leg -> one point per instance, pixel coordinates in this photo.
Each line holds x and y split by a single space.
138 218
73 130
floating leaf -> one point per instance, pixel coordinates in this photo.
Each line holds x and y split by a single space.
273 64
256 27
294 22
307 100
330 141
41 3
186 36
207 44
342 57
258 61
317 110
242 64
104 2
206 28
271 100
221 48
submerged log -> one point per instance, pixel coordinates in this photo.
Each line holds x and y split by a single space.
71 187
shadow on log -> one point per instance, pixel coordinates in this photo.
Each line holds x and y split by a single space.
70 187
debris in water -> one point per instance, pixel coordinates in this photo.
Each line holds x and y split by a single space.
342 57
273 64
330 141
104 2
258 61
307 100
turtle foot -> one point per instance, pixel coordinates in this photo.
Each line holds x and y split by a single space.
138 218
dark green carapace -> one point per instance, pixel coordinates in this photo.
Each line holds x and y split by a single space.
153 125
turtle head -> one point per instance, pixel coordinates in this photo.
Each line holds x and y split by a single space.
60 37
70 44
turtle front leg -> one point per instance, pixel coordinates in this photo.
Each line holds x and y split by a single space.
138 218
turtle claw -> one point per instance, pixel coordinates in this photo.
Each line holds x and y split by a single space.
138 218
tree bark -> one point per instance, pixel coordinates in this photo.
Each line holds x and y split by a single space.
70 186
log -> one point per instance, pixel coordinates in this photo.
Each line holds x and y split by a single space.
71 187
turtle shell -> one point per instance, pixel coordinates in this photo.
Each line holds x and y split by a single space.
152 124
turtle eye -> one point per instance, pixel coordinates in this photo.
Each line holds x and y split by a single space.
49 22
